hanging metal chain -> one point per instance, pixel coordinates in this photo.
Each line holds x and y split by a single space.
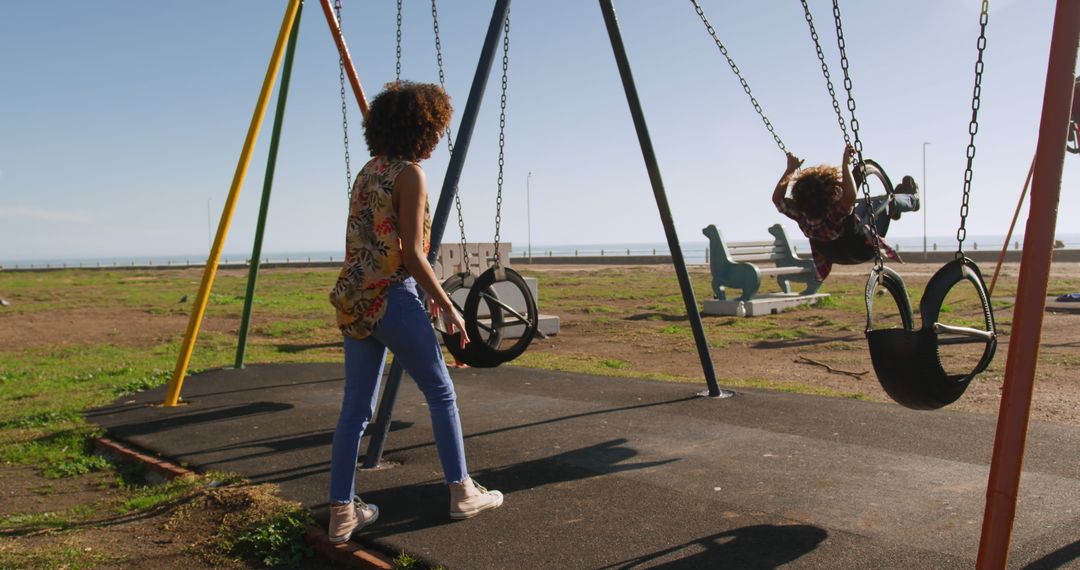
825 72
742 80
860 166
397 74
344 110
973 127
449 133
502 135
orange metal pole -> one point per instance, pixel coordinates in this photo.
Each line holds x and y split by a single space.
354 79
1005 467
1012 226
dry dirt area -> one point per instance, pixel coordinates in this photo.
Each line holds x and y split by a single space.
635 324
782 360
174 535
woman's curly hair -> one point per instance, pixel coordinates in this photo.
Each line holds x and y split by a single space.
406 120
815 189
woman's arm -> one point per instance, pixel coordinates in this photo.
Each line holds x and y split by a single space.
793 164
848 196
410 194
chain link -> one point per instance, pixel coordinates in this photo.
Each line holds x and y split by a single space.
449 132
860 166
735 70
397 73
344 110
502 134
825 72
973 127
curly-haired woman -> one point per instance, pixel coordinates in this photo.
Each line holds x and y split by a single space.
387 239
823 202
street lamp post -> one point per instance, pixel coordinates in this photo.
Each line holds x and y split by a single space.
923 200
528 212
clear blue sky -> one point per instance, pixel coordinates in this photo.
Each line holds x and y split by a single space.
120 119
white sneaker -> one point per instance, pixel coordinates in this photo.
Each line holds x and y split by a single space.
468 499
347 518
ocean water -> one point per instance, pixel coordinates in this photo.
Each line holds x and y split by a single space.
693 251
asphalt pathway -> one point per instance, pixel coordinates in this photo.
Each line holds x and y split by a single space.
622 473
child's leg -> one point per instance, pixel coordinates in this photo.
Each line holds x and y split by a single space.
879 205
363 372
407 332
904 203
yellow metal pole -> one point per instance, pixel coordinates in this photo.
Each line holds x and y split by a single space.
199 307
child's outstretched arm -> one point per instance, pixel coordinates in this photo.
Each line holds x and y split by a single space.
848 197
793 164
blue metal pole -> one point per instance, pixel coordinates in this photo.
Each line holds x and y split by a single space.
661 199
381 427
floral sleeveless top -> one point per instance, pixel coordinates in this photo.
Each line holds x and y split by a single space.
372 249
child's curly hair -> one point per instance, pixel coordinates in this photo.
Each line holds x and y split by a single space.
406 120
815 189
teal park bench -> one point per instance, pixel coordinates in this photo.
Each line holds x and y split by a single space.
740 264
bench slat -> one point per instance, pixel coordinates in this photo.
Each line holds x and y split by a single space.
757 257
783 270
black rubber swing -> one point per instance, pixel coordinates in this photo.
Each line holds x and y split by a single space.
907 361
851 247
485 348
492 332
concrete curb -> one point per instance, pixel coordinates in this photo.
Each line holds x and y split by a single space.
163 470
350 553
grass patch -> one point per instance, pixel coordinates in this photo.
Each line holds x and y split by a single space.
614 363
585 364
56 521
829 302
55 558
255 525
147 497
61 454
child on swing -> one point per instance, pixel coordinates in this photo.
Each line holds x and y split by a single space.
824 203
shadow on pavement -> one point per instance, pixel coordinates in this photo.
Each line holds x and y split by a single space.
756 547
1059 558
417 507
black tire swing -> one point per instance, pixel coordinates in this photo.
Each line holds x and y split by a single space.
486 316
907 361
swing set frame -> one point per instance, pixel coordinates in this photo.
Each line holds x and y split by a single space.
1014 414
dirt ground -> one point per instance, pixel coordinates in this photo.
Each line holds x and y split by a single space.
1057 387
171 536
638 333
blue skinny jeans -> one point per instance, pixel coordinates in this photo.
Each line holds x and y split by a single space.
406 331
882 208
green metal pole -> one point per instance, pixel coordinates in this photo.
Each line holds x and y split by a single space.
268 183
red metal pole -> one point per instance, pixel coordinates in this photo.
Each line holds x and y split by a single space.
1004 482
354 79
1012 226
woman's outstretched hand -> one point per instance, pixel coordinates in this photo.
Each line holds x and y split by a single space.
451 319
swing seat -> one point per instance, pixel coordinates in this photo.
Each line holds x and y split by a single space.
490 354
907 362
473 355
850 248
485 348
